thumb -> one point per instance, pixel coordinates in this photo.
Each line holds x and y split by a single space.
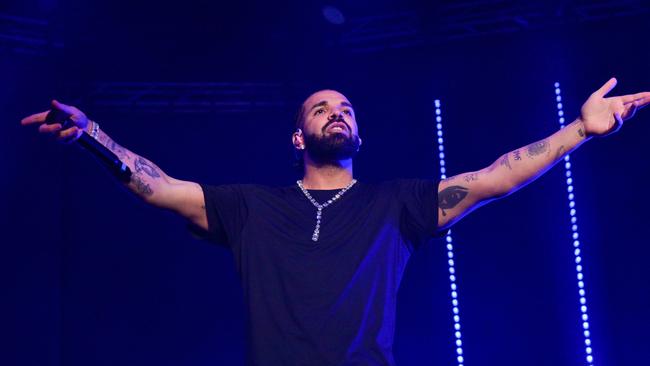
62 107
607 87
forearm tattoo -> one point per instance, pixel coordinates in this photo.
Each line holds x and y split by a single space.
505 161
538 148
117 149
143 168
449 197
517 155
581 132
140 186
144 165
113 146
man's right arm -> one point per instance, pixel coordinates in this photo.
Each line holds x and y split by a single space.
155 187
148 181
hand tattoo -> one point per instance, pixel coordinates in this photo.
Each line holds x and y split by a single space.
449 197
143 165
537 148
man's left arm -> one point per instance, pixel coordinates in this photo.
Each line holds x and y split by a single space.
599 116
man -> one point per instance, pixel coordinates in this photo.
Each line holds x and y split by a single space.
321 261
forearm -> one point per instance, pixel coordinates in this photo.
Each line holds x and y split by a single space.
519 167
148 181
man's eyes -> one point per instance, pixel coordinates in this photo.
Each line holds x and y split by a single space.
322 110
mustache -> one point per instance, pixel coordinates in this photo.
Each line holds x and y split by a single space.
338 119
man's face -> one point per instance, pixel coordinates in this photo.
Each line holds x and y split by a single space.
329 128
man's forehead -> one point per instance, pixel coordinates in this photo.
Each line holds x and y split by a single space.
330 96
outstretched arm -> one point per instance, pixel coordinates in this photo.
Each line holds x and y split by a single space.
148 181
599 116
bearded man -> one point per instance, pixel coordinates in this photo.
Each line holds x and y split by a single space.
320 261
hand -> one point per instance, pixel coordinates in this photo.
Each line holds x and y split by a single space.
603 116
67 130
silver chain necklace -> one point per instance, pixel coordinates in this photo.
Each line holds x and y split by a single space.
320 207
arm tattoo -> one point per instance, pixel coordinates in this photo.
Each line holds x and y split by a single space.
581 132
143 165
471 177
506 161
449 197
116 148
141 187
516 154
537 148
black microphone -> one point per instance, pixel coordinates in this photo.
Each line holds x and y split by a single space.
101 152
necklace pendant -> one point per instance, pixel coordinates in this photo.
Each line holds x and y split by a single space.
320 207
319 214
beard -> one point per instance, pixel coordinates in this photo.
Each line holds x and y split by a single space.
331 148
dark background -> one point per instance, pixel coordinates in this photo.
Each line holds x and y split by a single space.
208 90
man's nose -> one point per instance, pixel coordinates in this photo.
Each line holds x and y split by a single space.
336 114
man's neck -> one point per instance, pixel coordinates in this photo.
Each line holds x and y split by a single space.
327 176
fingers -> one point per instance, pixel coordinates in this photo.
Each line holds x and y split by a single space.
618 117
606 88
641 102
626 112
634 97
34 118
69 135
44 128
63 107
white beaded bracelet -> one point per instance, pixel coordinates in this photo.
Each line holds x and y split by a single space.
95 132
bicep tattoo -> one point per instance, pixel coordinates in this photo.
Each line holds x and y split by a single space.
450 197
471 177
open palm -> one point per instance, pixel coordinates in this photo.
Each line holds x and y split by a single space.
603 116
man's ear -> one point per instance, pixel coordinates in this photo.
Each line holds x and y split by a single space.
298 140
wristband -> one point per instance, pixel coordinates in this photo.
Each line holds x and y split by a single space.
95 131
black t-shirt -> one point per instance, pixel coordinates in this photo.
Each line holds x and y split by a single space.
330 302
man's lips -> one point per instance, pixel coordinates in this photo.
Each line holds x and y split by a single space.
342 125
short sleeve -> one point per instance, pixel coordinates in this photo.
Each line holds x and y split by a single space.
226 210
419 215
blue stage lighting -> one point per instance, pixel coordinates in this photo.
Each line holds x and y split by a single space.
574 234
450 247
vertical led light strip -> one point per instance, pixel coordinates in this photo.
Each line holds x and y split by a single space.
450 246
575 236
